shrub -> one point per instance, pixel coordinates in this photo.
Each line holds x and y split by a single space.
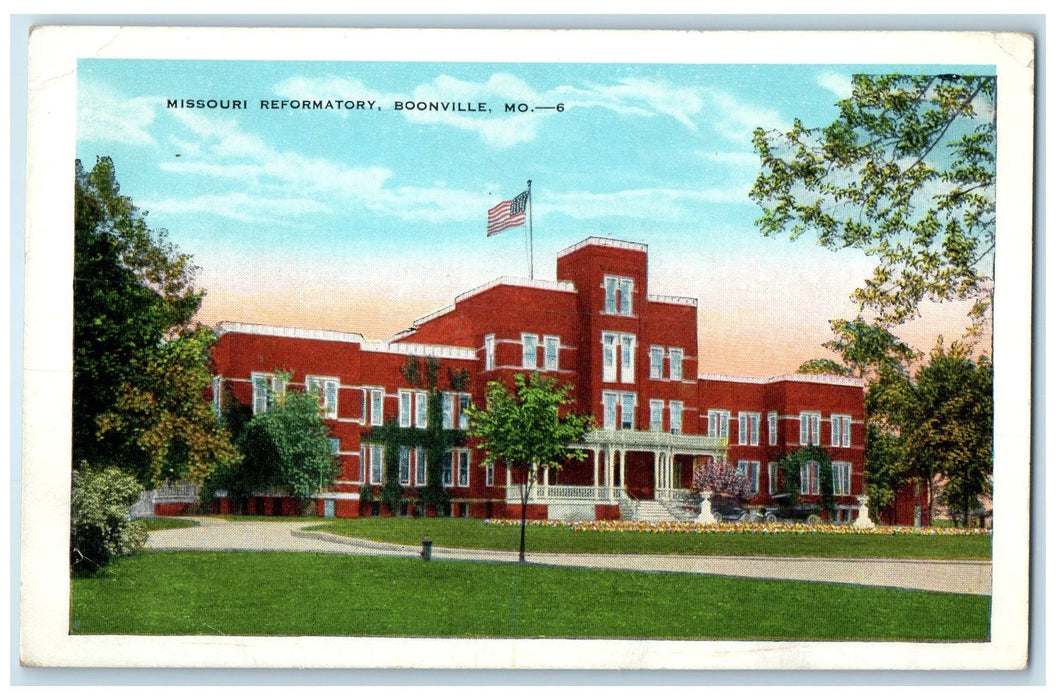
721 477
100 526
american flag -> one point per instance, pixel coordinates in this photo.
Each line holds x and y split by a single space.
507 214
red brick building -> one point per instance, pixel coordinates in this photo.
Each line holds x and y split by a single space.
631 357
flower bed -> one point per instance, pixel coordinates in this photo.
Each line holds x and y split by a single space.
796 527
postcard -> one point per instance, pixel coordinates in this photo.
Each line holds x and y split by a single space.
527 349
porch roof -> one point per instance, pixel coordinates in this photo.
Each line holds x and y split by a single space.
655 440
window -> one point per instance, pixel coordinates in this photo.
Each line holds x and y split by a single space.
618 293
808 479
676 417
551 348
377 404
405 408
421 409
841 431
674 361
718 423
448 474
809 428
771 427
326 388
747 428
464 401
749 469
376 455
420 464
462 457
625 402
841 478
529 346
489 475
627 359
489 352
608 357
405 465
771 474
608 400
265 388
656 362
449 411
335 445
656 415
218 388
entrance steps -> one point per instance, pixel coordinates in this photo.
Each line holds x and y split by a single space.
649 512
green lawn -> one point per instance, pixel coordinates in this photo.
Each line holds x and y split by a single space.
474 534
152 524
281 593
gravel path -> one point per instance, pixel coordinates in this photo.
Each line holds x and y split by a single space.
949 576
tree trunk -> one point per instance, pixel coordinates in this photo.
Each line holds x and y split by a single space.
524 514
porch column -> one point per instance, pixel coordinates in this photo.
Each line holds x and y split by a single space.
595 470
623 470
656 473
609 456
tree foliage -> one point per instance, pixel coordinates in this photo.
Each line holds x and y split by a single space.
132 289
528 429
949 425
906 173
791 466
100 527
161 428
285 449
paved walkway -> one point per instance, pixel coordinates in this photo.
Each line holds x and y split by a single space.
950 576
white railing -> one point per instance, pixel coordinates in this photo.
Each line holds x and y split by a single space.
673 494
563 492
647 439
176 493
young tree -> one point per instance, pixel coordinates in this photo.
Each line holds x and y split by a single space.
161 428
286 448
528 429
131 290
906 174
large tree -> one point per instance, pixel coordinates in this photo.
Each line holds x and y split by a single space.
528 429
161 428
906 173
948 425
131 290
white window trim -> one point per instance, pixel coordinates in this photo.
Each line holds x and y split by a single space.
837 481
421 467
610 357
447 410
276 386
810 427
625 398
549 340
771 477
489 474
656 415
404 461
489 352
421 409
806 488
675 426
609 420
750 468
656 362
447 474
771 427
622 290
465 400
529 342
718 423
377 405
840 425
462 458
377 461
405 402
322 385
672 364
626 363
748 428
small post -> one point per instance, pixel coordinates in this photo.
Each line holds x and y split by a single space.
427 549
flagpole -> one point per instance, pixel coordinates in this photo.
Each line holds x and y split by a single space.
531 249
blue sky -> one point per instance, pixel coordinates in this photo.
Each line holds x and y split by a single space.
363 220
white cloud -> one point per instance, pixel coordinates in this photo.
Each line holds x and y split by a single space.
238 206
839 84
649 203
739 159
736 119
107 116
639 97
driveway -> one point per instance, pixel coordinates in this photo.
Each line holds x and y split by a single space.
947 576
